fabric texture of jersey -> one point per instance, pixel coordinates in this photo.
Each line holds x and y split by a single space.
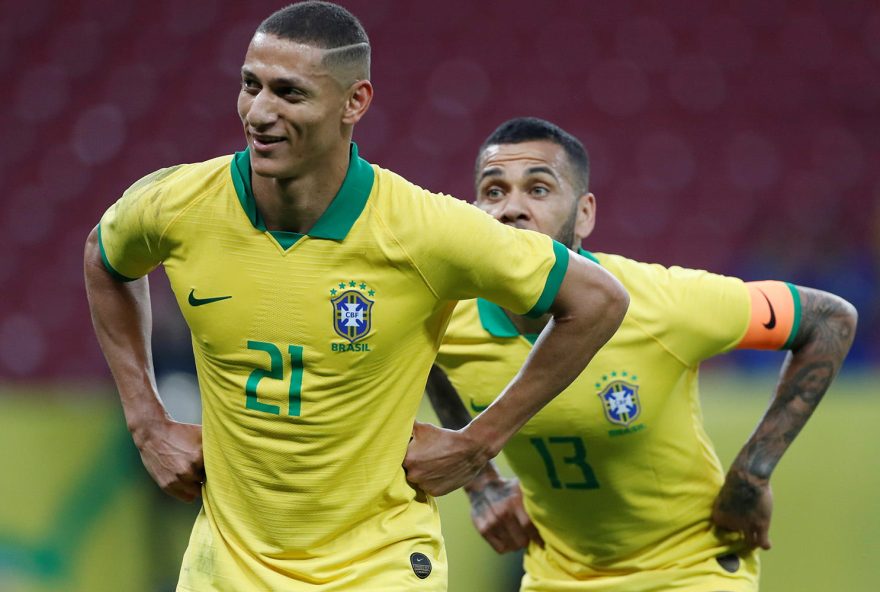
617 472
312 353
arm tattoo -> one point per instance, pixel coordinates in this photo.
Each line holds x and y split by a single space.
743 498
489 493
822 341
445 400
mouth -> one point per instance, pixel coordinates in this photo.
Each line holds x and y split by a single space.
265 142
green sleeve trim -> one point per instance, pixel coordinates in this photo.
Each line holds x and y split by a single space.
796 324
116 275
554 281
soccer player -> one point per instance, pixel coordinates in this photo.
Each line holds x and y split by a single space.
317 288
619 487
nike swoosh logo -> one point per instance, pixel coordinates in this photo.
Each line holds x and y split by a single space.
772 322
478 408
193 301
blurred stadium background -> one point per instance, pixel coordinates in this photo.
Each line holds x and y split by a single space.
740 137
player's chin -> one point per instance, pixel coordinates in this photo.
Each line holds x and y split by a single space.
269 167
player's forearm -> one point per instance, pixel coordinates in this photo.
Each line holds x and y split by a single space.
588 310
826 332
445 400
454 415
122 320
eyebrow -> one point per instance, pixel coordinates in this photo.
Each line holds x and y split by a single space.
491 172
542 169
535 170
246 73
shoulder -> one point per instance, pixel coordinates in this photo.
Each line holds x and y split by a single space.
651 278
152 202
183 179
191 177
395 194
678 301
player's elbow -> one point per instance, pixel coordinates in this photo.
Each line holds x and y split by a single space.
846 317
591 296
614 299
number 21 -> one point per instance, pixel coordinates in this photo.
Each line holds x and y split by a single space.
276 371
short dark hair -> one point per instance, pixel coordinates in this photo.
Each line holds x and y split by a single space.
324 25
531 129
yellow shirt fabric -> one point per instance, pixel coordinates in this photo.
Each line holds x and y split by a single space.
312 353
618 473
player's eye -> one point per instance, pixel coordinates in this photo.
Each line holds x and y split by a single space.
540 191
250 86
493 193
290 93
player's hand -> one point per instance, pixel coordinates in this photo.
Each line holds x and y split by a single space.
745 505
498 512
439 460
172 454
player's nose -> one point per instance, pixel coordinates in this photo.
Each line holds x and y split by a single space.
513 208
261 112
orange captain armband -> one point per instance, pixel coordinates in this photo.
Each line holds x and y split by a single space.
775 318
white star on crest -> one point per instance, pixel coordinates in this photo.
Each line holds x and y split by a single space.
620 402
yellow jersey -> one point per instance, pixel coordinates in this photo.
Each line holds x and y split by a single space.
312 352
617 472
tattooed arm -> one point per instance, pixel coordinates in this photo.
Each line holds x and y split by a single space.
497 508
822 341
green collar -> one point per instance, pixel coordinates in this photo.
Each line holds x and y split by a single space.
337 219
588 255
496 322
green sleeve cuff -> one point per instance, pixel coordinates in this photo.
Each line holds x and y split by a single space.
796 323
554 281
116 275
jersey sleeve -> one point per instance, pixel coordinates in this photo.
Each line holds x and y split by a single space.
775 316
130 231
697 314
464 253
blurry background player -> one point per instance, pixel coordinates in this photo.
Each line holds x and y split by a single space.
621 485
317 287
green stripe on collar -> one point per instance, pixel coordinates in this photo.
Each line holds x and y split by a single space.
494 320
340 215
497 323
588 255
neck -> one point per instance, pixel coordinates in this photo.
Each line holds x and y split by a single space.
295 204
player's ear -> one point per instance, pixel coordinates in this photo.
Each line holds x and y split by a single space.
586 215
360 95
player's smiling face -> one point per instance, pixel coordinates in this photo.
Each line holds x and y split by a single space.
528 185
290 104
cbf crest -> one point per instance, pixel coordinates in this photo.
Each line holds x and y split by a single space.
620 401
352 303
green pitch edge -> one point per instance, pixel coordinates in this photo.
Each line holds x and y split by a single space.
52 557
